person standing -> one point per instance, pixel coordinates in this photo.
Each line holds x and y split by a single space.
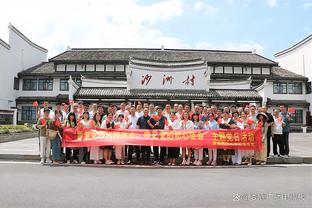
270 121
56 125
186 124
71 122
142 123
133 119
212 152
45 144
198 152
158 122
173 152
108 123
277 134
84 124
286 128
120 149
96 153
261 155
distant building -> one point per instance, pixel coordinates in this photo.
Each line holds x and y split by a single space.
17 55
298 59
112 75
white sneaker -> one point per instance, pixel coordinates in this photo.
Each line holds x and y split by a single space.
75 161
188 161
41 161
95 162
275 156
48 160
68 161
83 163
183 162
199 163
286 156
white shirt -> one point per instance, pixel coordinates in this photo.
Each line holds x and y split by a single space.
188 125
133 120
51 114
277 126
175 124
139 114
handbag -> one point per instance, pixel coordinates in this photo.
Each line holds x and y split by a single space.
51 134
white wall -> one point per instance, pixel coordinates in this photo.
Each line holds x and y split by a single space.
21 55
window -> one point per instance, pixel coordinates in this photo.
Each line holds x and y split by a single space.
80 67
110 68
99 67
265 70
45 84
247 70
16 83
77 81
297 117
256 70
120 68
70 67
63 84
89 67
228 70
28 113
237 70
294 88
218 69
30 84
60 67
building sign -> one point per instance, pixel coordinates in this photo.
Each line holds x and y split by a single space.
141 78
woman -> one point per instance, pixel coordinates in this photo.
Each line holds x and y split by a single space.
45 144
120 149
186 124
96 153
71 122
108 123
226 123
56 125
198 152
173 152
84 124
261 155
212 152
239 124
246 123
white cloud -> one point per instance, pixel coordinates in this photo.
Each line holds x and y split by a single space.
272 3
200 6
248 46
307 5
91 23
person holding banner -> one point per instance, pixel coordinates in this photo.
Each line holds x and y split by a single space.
198 152
133 119
173 152
212 152
56 125
71 122
96 153
45 144
239 124
246 123
120 149
108 123
261 155
186 124
143 124
84 124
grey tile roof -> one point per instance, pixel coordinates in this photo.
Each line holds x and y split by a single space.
59 97
94 92
42 68
280 73
123 54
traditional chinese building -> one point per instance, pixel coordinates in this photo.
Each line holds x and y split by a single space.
112 75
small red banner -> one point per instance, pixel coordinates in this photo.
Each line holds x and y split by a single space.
249 139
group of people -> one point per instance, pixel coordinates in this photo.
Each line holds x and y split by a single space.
142 116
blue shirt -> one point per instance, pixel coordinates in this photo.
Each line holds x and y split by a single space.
212 125
142 122
286 128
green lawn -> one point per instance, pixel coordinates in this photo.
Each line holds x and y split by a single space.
5 129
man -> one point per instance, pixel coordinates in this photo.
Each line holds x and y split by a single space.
253 116
122 111
45 107
167 111
139 111
93 110
142 123
152 111
270 122
158 122
133 120
286 119
58 107
175 107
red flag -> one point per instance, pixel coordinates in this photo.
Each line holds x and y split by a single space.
156 118
57 123
292 110
43 121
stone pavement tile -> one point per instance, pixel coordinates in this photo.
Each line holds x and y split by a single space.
23 147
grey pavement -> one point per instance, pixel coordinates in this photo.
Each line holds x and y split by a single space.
33 185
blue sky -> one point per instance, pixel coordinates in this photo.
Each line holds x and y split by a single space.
265 25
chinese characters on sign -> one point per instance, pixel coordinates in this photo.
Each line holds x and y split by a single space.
146 78
189 81
167 79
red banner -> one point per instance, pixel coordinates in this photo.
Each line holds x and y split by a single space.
220 139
